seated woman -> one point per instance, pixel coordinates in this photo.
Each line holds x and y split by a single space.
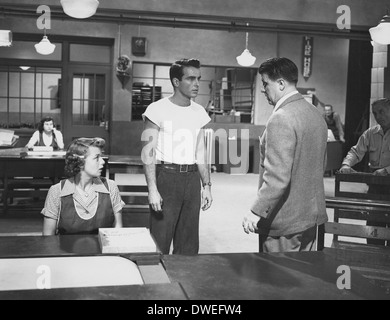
46 135
84 202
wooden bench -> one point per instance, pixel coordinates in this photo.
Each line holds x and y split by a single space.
373 261
358 210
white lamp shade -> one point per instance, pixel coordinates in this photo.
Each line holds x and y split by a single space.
45 47
381 33
80 9
246 59
5 38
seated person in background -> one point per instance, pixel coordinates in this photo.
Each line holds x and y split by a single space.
84 202
46 135
375 141
333 121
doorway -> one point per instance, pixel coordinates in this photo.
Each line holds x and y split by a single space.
88 103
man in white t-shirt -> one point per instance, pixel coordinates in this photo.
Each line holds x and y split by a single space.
175 162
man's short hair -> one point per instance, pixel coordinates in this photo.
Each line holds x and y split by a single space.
176 70
328 105
277 68
382 102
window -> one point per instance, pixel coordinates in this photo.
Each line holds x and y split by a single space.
222 91
89 99
28 95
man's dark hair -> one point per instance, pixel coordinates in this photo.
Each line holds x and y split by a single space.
384 102
176 70
277 68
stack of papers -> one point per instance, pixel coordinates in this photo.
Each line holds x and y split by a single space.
40 149
7 138
126 240
46 153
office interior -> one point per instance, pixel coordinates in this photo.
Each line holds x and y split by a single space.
81 87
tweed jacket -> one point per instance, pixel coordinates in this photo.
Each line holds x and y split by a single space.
291 195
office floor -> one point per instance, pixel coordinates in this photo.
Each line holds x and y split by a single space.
220 226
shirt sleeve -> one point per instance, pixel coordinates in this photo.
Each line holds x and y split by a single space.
152 114
60 139
357 152
116 200
52 203
33 140
204 118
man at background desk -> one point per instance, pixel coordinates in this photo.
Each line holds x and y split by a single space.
375 141
333 121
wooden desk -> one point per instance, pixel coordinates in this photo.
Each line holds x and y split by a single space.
362 178
35 173
124 164
288 276
242 276
46 250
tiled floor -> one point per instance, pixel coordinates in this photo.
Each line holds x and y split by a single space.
220 226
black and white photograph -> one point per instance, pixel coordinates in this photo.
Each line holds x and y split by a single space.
194 157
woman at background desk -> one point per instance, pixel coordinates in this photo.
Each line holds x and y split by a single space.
84 202
46 135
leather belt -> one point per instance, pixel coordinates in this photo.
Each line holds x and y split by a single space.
181 168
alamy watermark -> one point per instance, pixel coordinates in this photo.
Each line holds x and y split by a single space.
227 147
344 20
344 281
44 278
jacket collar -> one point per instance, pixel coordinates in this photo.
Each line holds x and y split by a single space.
296 96
69 187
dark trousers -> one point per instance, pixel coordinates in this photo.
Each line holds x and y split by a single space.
378 189
179 219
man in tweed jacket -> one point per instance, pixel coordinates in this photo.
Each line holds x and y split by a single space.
290 203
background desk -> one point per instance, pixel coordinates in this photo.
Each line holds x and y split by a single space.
124 164
28 176
245 276
31 176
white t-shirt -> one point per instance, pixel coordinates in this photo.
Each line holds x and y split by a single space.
179 130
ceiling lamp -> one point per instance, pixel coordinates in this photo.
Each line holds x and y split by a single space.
5 38
45 47
381 33
80 9
246 59
24 68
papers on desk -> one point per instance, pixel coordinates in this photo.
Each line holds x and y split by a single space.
42 149
126 240
46 153
7 138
